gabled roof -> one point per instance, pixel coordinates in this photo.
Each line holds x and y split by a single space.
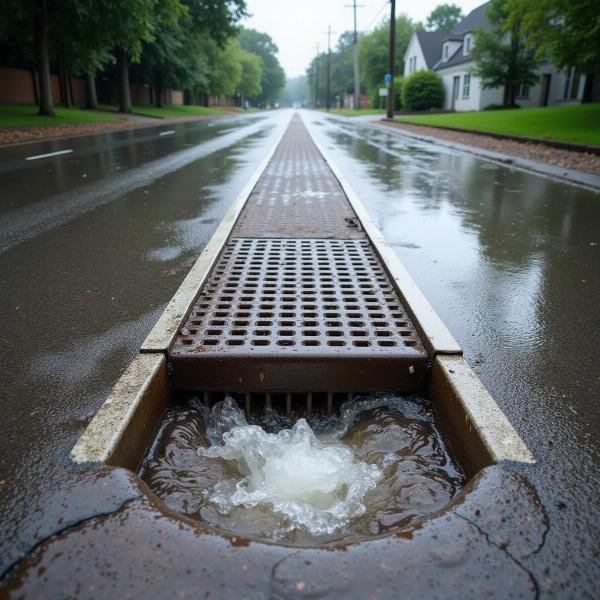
476 18
458 58
431 46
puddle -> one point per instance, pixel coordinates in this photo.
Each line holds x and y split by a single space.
378 465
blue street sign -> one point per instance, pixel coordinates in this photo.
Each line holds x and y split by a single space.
388 78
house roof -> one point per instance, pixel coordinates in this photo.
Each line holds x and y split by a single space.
431 46
475 19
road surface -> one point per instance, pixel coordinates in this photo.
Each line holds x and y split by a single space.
93 243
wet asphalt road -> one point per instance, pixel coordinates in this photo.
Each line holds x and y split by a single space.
93 245
95 242
511 263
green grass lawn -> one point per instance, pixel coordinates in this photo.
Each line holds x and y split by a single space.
168 112
23 115
578 124
353 112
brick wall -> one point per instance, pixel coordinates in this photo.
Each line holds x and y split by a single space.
18 86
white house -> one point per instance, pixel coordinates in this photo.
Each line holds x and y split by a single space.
450 55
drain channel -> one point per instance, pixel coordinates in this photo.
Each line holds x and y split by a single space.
299 300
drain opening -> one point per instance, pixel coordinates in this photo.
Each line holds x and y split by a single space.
247 464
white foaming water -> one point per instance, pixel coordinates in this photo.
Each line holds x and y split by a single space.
312 484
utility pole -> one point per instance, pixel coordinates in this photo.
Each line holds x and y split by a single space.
328 92
391 55
356 69
317 78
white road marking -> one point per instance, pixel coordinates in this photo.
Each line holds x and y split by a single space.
49 154
171 132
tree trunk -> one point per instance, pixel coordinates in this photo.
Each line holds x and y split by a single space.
65 88
158 88
507 94
43 60
588 88
91 96
124 91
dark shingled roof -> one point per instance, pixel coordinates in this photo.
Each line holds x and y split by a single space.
431 45
475 19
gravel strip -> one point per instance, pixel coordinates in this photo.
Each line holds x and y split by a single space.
581 161
16 135
26 134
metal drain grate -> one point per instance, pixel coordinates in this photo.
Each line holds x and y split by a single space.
297 196
278 314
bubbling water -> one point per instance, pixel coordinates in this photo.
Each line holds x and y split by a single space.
316 485
378 465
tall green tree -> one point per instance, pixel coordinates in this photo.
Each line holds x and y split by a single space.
273 76
132 23
444 17
503 57
566 32
374 52
31 22
252 68
176 57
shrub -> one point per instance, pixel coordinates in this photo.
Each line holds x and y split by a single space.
423 90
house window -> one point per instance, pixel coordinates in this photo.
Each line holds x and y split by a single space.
412 64
466 85
468 44
523 91
445 51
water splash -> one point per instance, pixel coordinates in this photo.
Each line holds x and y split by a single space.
316 485
394 434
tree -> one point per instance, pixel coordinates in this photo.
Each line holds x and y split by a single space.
423 90
444 17
176 57
30 21
131 24
249 85
374 51
565 31
225 68
273 76
503 59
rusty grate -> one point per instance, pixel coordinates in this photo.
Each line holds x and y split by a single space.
278 314
297 196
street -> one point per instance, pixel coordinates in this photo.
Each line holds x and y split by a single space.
94 242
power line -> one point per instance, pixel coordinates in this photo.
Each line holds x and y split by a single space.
377 15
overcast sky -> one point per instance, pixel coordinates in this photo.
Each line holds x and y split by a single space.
297 26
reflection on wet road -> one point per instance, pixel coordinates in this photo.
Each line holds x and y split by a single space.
511 262
95 243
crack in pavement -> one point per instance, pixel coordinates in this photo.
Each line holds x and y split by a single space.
505 551
64 529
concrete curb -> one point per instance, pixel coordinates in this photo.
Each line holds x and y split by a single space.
163 333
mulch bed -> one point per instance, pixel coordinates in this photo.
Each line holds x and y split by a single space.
26 134
581 161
